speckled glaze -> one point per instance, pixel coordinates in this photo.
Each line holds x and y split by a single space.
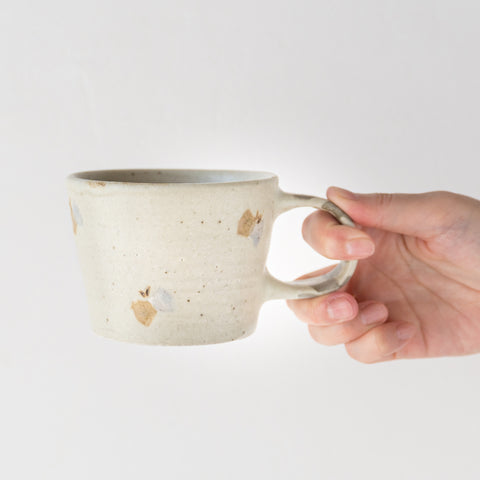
177 257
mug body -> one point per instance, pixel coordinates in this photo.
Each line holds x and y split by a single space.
173 257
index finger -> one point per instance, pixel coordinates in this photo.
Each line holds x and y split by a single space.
332 240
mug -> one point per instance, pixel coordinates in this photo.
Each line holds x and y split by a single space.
177 257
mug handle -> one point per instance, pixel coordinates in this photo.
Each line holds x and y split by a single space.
314 286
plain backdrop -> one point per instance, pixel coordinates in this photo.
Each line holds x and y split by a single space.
368 95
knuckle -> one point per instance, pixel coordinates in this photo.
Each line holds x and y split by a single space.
329 241
301 309
384 200
352 351
441 203
327 247
321 335
380 342
317 309
443 195
314 333
340 334
357 355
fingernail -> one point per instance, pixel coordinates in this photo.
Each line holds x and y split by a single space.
405 331
374 313
340 309
360 247
341 192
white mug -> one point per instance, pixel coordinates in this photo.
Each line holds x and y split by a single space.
177 257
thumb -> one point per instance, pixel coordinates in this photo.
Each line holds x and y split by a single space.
423 215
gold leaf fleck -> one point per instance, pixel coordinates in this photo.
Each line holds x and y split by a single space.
96 183
247 222
144 312
145 293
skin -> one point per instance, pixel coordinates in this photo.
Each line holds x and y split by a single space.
416 290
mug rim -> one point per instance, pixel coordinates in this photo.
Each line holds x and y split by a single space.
206 176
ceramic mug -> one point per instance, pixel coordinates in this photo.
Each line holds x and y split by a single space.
177 257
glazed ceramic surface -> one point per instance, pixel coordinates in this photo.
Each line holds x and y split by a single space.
177 257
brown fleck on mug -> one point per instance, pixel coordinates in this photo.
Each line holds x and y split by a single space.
177 257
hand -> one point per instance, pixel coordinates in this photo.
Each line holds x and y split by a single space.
416 290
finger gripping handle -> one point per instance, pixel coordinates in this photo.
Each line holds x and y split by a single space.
314 286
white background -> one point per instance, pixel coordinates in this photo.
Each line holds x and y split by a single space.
369 95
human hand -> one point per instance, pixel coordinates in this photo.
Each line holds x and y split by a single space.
416 290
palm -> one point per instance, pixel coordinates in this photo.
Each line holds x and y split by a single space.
419 283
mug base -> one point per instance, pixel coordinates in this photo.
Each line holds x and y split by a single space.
210 338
